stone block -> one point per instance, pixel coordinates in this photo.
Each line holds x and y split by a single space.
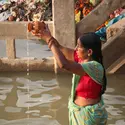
25 64
115 28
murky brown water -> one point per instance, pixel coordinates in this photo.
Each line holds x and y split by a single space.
41 99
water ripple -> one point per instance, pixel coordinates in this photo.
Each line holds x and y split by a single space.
4 90
5 79
31 121
114 99
25 100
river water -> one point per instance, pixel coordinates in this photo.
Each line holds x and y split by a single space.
41 98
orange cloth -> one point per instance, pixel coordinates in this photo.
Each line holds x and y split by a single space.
87 9
103 25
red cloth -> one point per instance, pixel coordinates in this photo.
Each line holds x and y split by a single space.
87 87
76 59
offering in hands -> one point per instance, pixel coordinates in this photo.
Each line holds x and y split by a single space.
36 26
30 27
39 29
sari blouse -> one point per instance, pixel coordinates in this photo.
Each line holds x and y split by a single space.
87 86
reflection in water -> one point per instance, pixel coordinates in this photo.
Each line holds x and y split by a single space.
1 103
119 122
4 90
41 99
36 111
35 121
12 109
35 88
115 100
5 79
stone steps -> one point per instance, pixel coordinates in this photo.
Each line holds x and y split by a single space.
114 48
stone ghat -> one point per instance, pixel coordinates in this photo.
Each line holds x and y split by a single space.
114 48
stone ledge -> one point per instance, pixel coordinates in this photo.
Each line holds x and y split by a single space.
29 64
22 64
113 49
117 65
18 30
115 28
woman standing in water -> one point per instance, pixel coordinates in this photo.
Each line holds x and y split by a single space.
86 106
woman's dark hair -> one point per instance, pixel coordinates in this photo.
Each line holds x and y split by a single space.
92 41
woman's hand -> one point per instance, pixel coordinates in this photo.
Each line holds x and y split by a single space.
41 30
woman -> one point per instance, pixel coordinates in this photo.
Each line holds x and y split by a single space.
86 105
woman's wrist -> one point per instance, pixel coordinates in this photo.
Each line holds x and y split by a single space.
52 41
48 39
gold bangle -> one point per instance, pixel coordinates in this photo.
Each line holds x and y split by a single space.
51 38
54 41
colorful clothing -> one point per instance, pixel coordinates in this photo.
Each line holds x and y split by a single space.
92 114
87 86
77 16
102 32
95 2
87 9
82 8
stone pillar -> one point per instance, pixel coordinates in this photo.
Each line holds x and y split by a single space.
10 48
64 23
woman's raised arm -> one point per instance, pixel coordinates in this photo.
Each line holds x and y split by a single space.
64 56
64 63
68 52
41 30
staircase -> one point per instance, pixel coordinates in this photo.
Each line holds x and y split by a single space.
114 53
114 48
